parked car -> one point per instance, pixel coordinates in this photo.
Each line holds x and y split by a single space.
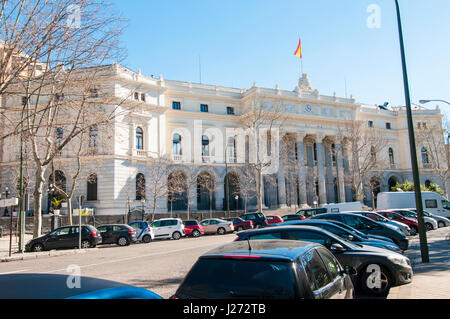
275 269
368 226
122 235
168 228
274 219
52 286
258 219
411 222
430 223
394 269
291 217
361 234
381 219
193 228
65 237
144 232
442 221
239 224
312 212
217 226
432 202
346 234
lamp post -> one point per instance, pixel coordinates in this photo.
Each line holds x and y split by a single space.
143 208
237 201
428 101
412 146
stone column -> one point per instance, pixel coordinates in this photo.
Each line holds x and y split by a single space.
340 172
301 170
281 178
321 170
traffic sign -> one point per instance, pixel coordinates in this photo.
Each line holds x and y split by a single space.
14 201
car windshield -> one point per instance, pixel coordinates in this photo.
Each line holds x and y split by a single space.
223 278
190 223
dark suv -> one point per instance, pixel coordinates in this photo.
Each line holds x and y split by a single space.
66 237
275 269
368 226
258 219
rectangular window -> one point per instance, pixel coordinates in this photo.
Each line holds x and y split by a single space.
431 203
230 110
136 96
143 97
388 126
370 123
204 108
176 105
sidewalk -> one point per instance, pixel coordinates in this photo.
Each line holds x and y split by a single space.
431 280
16 256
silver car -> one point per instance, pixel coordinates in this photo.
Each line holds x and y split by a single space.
217 226
430 223
441 220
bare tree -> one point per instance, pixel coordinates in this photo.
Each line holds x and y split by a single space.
55 83
247 184
367 148
261 117
430 136
158 171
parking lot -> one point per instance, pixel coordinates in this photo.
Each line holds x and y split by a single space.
161 265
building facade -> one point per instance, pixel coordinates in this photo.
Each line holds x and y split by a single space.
201 127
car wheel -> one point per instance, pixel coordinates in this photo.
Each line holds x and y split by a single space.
37 248
176 235
221 231
195 233
122 241
85 244
146 239
258 226
368 283
413 231
429 226
441 224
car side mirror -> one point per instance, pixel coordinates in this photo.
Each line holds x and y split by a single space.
337 248
349 270
351 238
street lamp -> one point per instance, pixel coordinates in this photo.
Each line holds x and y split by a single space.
237 204
6 192
412 145
143 208
428 101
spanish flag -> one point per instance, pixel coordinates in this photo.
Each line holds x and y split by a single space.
298 52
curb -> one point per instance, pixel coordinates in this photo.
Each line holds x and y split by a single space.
52 253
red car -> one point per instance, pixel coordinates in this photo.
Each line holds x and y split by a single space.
193 228
240 224
412 223
274 219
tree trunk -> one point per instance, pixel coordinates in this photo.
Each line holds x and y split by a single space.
259 191
37 204
69 210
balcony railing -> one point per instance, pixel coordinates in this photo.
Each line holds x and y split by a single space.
206 159
177 158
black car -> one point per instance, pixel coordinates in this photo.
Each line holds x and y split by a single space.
345 234
387 268
287 218
258 219
268 269
51 286
66 237
122 235
307 213
368 226
367 236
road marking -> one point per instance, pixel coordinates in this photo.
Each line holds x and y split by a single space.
130 258
14 272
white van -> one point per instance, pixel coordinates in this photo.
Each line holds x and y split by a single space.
432 202
344 207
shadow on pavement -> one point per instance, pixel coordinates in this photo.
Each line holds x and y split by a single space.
152 284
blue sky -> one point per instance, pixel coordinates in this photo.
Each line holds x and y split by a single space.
246 41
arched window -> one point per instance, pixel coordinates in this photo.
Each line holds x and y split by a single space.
391 156
92 187
425 158
205 145
139 138
140 186
176 145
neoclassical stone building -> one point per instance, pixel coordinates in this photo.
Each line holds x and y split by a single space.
195 124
